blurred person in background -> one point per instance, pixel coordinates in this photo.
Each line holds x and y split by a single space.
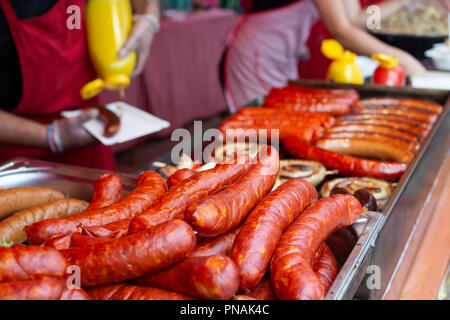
43 65
272 36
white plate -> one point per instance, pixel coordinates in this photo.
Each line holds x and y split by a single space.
134 123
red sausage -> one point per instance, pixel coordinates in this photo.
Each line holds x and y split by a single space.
107 191
291 267
214 277
59 243
217 245
48 289
347 165
179 176
173 204
127 292
150 186
243 297
222 212
132 256
20 263
325 267
264 226
112 230
263 291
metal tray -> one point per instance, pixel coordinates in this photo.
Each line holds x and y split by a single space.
74 182
351 245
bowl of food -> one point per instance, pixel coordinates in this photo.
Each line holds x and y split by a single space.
440 54
414 31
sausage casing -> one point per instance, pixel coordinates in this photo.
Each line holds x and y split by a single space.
107 191
214 277
218 245
127 292
20 263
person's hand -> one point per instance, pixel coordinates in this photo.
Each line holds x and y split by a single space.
411 65
441 5
140 40
70 134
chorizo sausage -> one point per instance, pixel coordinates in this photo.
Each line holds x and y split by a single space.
347 165
263 291
16 199
367 149
11 228
107 191
254 245
20 263
112 230
58 243
134 255
213 278
109 118
243 297
325 267
127 292
224 211
291 267
173 204
48 289
179 176
217 245
150 186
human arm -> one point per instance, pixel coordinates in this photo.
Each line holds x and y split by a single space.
142 33
358 40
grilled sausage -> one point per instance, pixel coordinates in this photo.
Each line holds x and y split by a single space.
224 211
128 292
107 191
179 176
291 267
253 247
217 245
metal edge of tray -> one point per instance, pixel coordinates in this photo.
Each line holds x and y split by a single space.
403 210
24 166
353 271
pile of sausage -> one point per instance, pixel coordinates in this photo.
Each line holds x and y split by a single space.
297 98
306 126
218 234
383 128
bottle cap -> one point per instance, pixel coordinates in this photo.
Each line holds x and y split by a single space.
385 60
91 89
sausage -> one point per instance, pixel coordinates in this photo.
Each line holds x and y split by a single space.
396 110
291 267
107 191
325 267
367 149
127 292
213 278
243 297
59 243
263 291
391 119
48 289
240 131
150 186
404 134
222 212
20 263
11 228
109 118
310 105
411 103
173 204
349 95
347 165
217 245
16 199
112 230
179 176
264 226
134 255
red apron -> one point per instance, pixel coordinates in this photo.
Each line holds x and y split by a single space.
55 65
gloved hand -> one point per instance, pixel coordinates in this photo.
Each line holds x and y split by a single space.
68 133
140 40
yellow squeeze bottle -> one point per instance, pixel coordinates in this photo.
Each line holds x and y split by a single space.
108 25
344 68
